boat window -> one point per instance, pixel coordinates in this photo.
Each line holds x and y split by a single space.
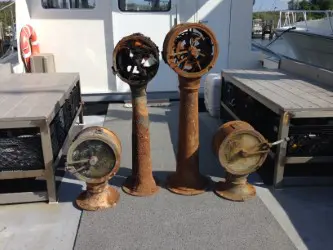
144 5
68 4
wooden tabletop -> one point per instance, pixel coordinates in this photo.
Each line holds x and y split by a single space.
33 96
282 91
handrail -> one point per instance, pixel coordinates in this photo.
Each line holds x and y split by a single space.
308 11
289 17
329 15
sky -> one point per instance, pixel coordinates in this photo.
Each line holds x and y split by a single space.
262 5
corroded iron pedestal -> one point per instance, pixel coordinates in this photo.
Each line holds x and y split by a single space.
141 56
187 179
98 196
191 50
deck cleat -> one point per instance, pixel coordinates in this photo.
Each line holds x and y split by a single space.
191 50
94 157
136 62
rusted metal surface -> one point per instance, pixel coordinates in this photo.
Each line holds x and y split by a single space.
187 179
94 157
241 150
191 50
235 188
136 60
97 197
141 56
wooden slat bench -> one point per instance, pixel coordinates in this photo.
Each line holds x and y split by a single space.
37 113
293 91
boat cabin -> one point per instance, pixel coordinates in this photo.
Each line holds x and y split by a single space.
82 35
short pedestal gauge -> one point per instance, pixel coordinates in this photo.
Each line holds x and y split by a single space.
94 157
241 150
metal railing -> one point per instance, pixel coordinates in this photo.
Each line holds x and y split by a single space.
294 18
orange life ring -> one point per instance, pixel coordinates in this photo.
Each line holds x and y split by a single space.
29 45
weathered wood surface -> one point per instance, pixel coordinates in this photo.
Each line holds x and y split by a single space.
33 96
282 91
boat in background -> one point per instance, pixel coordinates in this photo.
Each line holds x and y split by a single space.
257 28
310 39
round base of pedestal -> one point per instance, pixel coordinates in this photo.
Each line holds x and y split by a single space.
235 192
108 198
131 187
178 185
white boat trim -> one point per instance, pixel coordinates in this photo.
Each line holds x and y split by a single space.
311 41
95 32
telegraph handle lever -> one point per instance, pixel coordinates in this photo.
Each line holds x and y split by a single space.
266 146
279 141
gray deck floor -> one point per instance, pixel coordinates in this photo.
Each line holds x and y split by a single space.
288 219
169 221
40 226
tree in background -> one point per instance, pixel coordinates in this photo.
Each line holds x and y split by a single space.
298 5
310 5
8 14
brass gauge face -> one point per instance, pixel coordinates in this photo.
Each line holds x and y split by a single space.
240 141
241 150
91 159
94 157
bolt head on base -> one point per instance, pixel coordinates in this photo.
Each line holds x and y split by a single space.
108 198
130 187
177 184
235 192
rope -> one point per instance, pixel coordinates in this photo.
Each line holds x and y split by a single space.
277 37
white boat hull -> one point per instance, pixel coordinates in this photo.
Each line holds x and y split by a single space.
311 42
311 48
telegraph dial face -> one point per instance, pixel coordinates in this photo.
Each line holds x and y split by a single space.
91 160
233 161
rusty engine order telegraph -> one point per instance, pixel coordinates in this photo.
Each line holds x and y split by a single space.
94 157
191 50
136 62
241 150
